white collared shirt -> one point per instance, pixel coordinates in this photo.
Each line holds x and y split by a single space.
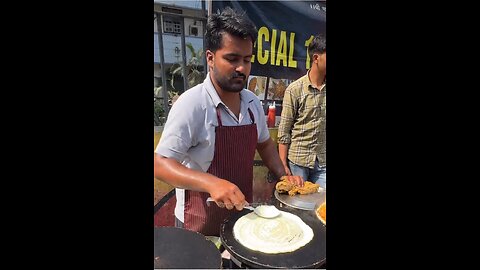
189 133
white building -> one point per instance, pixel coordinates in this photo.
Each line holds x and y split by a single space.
172 15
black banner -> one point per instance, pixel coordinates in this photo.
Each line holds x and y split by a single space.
285 28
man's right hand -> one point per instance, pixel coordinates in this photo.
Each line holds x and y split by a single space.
226 194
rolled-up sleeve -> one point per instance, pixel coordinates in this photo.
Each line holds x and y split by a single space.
177 135
289 108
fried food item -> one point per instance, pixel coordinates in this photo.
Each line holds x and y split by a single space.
322 213
277 88
284 186
280 88
308 187
252 84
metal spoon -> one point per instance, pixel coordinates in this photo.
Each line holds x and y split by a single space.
265 211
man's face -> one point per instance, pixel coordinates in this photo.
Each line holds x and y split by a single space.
230 65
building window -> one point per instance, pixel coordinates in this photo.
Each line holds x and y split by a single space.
172 26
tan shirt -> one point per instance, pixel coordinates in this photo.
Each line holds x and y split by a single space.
303 122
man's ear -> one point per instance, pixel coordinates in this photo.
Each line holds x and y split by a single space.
210 56
316 58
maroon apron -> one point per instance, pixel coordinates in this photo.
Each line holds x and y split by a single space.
233 161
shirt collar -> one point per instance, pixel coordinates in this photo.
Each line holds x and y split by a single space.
214 95
307 83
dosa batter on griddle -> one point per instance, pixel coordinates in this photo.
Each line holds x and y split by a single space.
285 233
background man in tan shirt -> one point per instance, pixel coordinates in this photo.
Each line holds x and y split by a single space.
301 133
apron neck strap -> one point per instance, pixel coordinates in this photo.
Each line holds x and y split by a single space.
219 118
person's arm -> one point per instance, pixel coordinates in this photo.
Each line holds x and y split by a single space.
282 152
174 173
289 108
181 132
269 155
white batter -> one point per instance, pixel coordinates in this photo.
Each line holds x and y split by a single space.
284 233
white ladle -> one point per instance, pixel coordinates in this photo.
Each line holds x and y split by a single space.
265 211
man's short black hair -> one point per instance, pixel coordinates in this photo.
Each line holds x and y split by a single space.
228 21
318 45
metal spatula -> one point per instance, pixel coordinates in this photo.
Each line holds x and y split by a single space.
265 211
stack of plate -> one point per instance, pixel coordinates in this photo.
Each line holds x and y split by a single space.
304 202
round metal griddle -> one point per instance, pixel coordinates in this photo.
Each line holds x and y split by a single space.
180 248
312 255
304 202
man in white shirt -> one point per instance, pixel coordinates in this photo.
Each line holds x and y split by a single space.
208 144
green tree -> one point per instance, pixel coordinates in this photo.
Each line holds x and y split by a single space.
194 76
158 111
